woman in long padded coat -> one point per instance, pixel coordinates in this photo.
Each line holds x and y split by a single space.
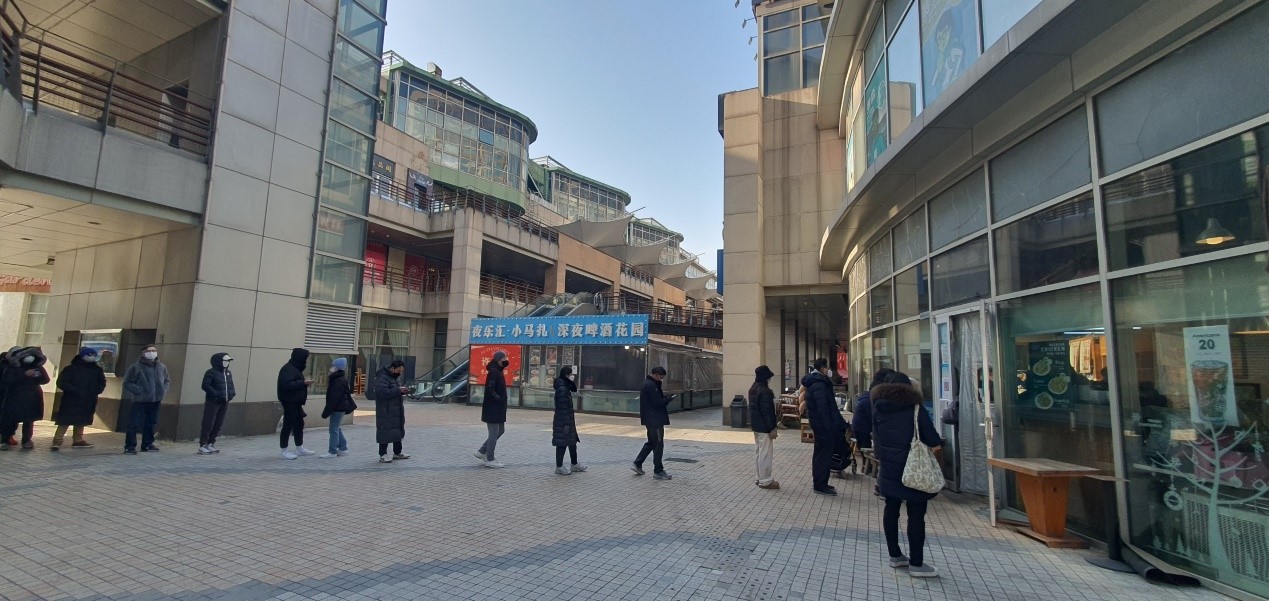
81 383
564 426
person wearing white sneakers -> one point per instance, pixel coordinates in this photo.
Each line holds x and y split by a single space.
293 393
218 384
494 409
339 402
390 411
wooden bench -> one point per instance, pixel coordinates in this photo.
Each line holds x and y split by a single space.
808 435
787 409
1044 484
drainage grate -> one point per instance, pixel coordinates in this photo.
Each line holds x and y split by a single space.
676 460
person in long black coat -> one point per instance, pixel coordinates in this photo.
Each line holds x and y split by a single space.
390 411
564 425
827 423
23 397
493 410
894 404
81 383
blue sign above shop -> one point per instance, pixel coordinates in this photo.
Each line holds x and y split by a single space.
581 329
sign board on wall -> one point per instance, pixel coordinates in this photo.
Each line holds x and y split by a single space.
482 354
1210 375
1049 375
582 329
13 283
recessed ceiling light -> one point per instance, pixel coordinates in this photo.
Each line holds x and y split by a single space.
94 223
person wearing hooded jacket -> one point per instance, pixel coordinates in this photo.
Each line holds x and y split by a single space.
339 402
218 386
655 416
23 397
564 425
81 383
390 411
293 393
145 383
493 411
893 404
762 419
826 422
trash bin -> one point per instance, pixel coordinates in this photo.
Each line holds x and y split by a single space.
739 417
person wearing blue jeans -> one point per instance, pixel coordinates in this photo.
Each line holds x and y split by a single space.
145 384
339 402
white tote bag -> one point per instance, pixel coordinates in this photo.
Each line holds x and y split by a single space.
922 471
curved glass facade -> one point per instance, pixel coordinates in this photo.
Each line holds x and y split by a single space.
577 198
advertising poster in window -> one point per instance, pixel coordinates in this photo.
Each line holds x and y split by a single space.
1049 375
876 113
552 355
482 354
1209 372
415 268
376 263
568 358
949 42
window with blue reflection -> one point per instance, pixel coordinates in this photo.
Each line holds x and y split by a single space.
1000 15
949 42
904 61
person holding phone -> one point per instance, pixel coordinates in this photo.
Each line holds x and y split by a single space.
390 411
293 393
655 417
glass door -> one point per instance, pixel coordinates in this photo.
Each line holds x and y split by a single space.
962 394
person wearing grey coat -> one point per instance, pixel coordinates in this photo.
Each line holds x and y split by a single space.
144 384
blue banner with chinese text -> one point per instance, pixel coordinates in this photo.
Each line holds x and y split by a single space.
580 329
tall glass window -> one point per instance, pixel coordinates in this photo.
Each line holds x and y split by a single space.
961 275
1193 374
949 42
341 234
360 26
911 292
876 114
792 49
1000 15
1046 165
959 211
879 260
912 355
881 305
909 239
1048 247
336 280
904 69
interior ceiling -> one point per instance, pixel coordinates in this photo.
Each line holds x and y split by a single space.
440 250
36 226
121 29
504 262
822 316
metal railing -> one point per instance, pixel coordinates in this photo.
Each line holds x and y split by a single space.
663 313
636 273
509 289
432 280
443 200
51 71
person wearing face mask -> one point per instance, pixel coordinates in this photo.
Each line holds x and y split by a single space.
218 385
826 422
390 411
339 402
494 410
564 426
145 384
293 393
23 397
81 383
654 416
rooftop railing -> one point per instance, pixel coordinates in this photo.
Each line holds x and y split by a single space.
663 313
52 72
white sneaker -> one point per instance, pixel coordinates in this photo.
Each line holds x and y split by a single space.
563 470
385 459
494 464
480 456
205 450
303 452
289 454
213 448
342 453
328 455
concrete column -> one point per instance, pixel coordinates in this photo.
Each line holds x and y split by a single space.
744 315
464 286
554 283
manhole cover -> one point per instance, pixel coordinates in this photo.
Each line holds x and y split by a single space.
681 460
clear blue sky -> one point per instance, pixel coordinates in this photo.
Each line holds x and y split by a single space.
623 91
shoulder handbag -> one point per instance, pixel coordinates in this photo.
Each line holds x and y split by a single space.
921 472
951 415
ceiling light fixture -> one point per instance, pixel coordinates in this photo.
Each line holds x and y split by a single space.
1214 234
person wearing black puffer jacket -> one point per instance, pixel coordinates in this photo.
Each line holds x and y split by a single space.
826 422
893 405
23 397
218 386
390 411
763 421
493 410
293 393
81 383
339 402
564 425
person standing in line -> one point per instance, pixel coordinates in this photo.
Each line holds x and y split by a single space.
861 422
339 402
893 404
494 409
390 411
145 383
655 417
762 419
564 425
218 386
827 424
81 383
8 441
23 397
293 393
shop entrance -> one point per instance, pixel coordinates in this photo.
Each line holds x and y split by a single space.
961 392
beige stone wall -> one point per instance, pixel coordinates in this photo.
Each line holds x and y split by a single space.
743 244
401 148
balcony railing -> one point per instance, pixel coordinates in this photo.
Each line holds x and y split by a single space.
661 312
433 280
636 273
443 200
509 290
50 71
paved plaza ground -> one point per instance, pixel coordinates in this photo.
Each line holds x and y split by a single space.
245 524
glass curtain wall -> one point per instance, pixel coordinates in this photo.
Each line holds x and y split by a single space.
579 199
792 48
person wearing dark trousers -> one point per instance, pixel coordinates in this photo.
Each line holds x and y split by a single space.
390 411
893 404
861 422
493 410
293 393
218 386
81 383
339 402
826 422
145 383
762 420
564 425
655 417
23 397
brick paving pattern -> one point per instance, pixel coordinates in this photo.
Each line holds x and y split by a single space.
245 524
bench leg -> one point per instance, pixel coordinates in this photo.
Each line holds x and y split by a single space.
1045 499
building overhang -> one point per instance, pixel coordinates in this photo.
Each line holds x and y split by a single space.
597 233
123 32
842 49
639 256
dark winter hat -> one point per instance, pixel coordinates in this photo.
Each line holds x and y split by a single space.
897 377
87 351
499 356
658 370
763 373
881 377
820 363
566 371
396 363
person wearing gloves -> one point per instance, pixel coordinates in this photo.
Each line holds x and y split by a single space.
23 397
293 393
145 384
564 425
81 383
218 384
390 411
339 402
494 409
763 422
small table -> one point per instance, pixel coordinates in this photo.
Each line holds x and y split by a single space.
1044 484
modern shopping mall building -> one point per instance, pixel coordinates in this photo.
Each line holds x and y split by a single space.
1068 196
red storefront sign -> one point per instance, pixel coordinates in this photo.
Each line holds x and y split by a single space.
482 354
13 283
376 263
